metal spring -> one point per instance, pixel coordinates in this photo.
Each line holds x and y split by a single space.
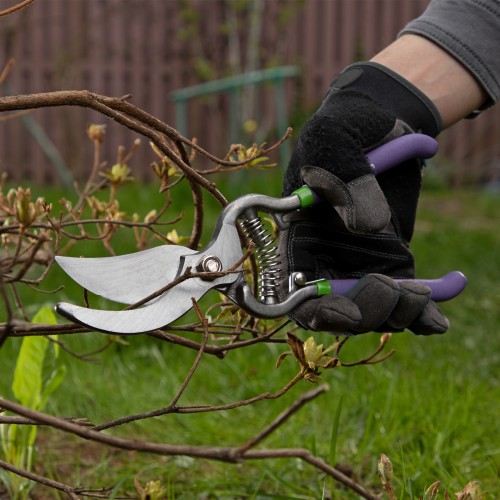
267 257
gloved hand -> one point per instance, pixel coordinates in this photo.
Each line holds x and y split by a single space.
365 228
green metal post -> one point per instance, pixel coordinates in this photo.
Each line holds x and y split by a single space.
233 85
234 126
181 116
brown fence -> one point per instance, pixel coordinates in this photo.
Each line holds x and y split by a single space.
149 48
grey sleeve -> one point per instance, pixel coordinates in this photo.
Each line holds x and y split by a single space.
470 31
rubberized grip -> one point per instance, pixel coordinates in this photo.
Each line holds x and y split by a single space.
401 149
442 289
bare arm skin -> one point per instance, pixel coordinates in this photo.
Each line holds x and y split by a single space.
449 85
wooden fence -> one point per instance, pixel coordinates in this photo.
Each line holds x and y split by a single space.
149 48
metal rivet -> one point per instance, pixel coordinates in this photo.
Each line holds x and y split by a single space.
209 264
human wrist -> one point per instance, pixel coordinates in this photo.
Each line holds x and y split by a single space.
443 79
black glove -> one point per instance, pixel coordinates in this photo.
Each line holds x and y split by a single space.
364 230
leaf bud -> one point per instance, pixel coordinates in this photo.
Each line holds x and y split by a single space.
385 471
26 210
471 491
432 491
96 132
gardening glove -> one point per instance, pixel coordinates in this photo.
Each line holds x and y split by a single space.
364 229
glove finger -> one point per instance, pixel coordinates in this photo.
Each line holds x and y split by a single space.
430 321
376 296
414 297
330 313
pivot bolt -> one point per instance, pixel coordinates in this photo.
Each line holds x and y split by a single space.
209 264
296 280
300 279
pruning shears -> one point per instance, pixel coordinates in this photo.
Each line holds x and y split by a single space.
143 278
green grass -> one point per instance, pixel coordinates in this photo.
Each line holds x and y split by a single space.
432 408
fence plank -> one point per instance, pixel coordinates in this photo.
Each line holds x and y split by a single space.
138 46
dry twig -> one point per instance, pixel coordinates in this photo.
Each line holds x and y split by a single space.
15 8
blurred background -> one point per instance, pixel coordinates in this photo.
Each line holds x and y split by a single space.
223 71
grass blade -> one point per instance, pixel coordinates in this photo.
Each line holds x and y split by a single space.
332 456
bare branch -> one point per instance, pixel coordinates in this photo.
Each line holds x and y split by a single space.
200 408
316 462
226 454
285 415
26 421
72 491
15 8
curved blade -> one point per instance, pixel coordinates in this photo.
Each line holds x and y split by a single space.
155 314
127 278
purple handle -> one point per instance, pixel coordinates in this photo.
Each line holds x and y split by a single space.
445 288
401 149
395 152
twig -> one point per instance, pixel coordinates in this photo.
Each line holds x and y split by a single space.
131 117
6 70
196 362
8 328
26 329
195 237
316 462
69 490
14 8
172 406
26 421
200 408
370 360
129 109
285 415
190 344
27 264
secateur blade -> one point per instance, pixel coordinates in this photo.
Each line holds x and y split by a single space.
127 278
155 314
132 278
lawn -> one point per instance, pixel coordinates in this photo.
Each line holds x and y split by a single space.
432 408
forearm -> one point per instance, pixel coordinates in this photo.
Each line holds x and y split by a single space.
446 82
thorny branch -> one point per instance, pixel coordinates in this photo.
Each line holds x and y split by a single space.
32 233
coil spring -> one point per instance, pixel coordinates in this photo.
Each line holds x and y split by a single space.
267 257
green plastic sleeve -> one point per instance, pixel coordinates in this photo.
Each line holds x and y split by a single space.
305 196
324 287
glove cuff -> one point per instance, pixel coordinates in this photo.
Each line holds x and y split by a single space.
393 93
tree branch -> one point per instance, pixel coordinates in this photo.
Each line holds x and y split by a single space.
230 454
